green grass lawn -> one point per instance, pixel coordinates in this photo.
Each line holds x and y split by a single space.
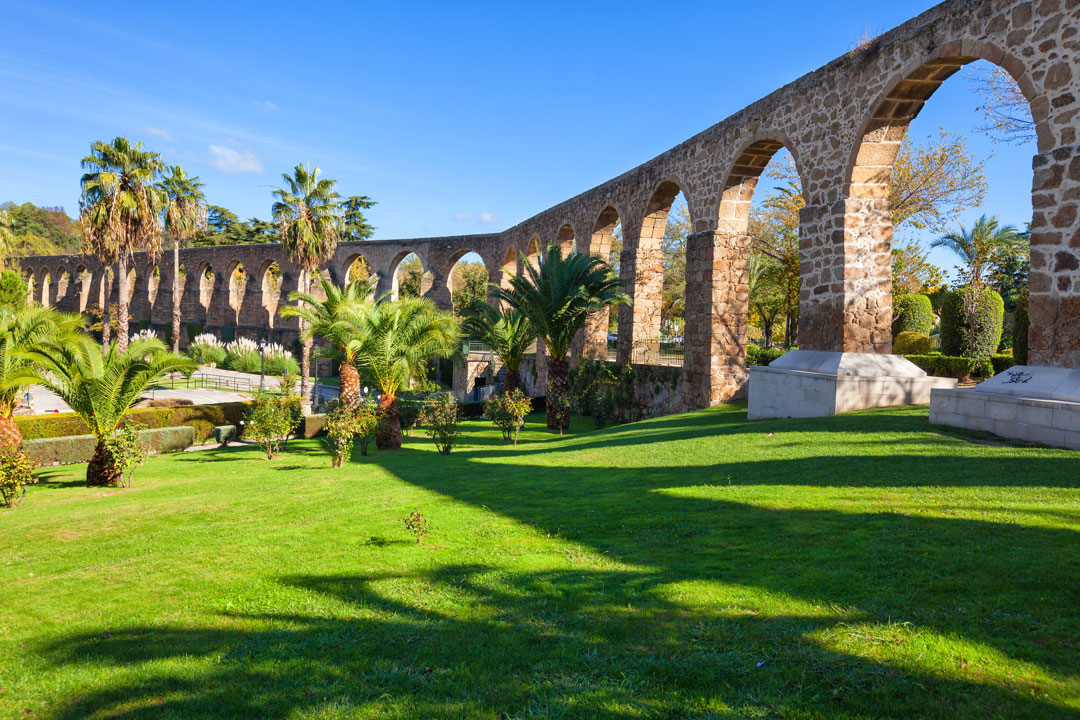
697 566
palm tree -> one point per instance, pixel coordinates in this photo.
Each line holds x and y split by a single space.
308 212
185 215
556 294
120 209
335 319
986 243
101 388
506 331
395 340
19 330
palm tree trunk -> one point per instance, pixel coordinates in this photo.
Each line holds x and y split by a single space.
388 436
101 471
558 383
9 431
349 392
106 320
176 295
305 350
122 303
512 381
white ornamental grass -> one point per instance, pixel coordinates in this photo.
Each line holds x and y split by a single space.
146 334
276 350
207 339
239 346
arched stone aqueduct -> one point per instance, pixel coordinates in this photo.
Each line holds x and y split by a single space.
842 123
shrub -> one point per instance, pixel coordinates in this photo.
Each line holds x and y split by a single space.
1002 363
80 448
989 312
202 418
1021 325
603 409
912 313
270 422
756 355
409 410
126 450
912 343
441 418
169 402
193 331
961 368
368 417
16 472
561 402
12 290
418 525
340 427
507 412
206 349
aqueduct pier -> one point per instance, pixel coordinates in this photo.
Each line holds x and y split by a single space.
842 123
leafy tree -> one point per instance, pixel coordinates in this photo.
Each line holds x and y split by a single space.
13 290
100 388
972 333
673 246
986 243
469 284
185 216
41 230
912 313
335 320
120 209
308 211
912 273
556 294
21 328
1006 112
410 277
774 234
507 331
768 294
356 226
395 342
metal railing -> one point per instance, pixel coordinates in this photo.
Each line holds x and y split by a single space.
650 352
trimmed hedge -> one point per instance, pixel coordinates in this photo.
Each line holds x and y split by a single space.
80 448
912 343
913 313
311 425
1021 324
202 418
961 368
1003 362
989 316
756 355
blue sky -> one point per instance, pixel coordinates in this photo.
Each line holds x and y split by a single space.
455 117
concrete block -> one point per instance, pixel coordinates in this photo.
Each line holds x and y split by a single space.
1046 435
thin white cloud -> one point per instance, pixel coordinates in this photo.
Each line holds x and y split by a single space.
463 216
231 160
487 218
158 132
264 106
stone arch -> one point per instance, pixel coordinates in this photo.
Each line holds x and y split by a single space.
566 239
354 268
237 278
860 319
44 278
595 340
451 280
84 279
133 277
533 252
509 267
271 281
395 267
153 283
31 285
206 278
63 285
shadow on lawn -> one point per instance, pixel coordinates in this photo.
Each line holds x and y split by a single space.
599 643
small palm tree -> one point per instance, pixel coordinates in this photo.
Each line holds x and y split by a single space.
395 340
185 215
556 295
21 329
506 331
120 209
308 212
101 388
987 242
335 319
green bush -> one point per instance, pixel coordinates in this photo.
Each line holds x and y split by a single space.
1021 325
912 313
960 368
507 412
441 418
12 290
16 472
989 316
201 418
1002 363
71 449
756 355
270 422
912 343
206 349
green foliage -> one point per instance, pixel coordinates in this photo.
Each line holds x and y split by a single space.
507 331
340 425
224 434
41 230
987 310
756 355
126 450
442 419
418 525
206 349
1001 363
23 330
985 245
961 368
1021 326
469 281
912 343
368 419
270 422
193 329
912 313
410 408
605 392
13 290
201 418
16 472
507 412
71 449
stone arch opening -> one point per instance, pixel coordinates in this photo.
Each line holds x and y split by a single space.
238 280
83 281
356 268
63 284
44 279
873 213
31 285
509 267
315 288
565 239
410 278
206 278
533 251
467 280
270 282
132 278
601 329
153 284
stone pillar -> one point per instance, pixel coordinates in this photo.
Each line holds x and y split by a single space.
385 284
717 316
641 268
1054 338
594 338
437 290
845 302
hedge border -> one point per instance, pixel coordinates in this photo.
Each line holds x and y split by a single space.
202 418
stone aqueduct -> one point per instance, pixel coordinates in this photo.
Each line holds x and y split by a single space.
842 123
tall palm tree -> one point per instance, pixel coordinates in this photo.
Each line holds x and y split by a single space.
395 340
335 319
556 294
120 209
102 388
506 331
985 243
308 212
21 329
185 215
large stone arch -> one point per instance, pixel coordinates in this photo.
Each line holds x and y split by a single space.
391 280
83 281
270 282
44 279
566 238
595 340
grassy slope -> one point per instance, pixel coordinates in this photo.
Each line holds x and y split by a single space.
691 566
